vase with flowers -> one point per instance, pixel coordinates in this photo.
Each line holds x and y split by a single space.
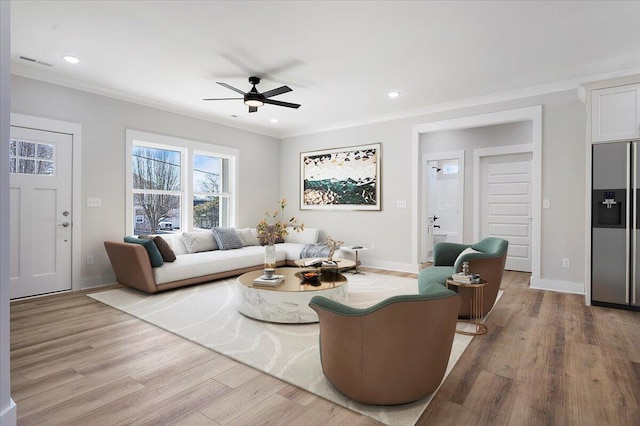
274 227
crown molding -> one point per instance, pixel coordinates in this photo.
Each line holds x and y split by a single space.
575 84
579 84
47 77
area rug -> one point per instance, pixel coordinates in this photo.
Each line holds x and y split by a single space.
206 314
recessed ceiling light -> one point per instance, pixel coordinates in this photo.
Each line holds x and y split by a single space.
394 95
274 120
71 59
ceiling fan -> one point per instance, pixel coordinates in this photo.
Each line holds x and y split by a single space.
254 99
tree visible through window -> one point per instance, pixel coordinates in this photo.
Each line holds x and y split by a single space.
157 188
177 185
209 191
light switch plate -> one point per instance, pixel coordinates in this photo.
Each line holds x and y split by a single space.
94 202
546 203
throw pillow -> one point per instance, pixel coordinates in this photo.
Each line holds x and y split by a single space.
466 251
247 237
165 249
154 254
199 241
227 238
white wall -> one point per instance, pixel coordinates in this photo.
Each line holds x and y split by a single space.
7 406
104 121
563 170
467 140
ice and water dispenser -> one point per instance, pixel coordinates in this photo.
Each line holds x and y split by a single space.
609 210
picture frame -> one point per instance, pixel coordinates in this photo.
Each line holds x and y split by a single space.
341 179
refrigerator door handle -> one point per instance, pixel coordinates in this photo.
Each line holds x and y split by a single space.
634 228
629 230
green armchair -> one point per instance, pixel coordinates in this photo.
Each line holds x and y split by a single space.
391 353
486 258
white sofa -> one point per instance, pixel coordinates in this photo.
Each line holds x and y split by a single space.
132 264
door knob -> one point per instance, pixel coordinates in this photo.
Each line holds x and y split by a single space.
64 224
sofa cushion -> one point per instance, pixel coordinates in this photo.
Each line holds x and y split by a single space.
154 254
165 249
199 241
247 236
227 238
306 236
462 255
213 262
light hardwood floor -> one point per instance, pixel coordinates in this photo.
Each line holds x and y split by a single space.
547 360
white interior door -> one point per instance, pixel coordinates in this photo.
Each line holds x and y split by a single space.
505 205
41 217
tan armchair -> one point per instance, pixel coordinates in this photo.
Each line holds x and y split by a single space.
394 352
486 259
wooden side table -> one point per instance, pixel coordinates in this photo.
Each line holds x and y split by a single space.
475 306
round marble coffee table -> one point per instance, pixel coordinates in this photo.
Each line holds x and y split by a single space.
288 302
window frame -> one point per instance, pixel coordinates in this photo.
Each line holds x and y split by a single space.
188 149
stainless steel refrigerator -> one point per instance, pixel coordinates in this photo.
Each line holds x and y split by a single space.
615 239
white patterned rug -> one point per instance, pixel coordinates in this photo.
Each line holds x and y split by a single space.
206 314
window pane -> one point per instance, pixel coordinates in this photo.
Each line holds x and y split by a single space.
27 167
160 213
27 149
206 212
207 174
12 148
45 168
45 151
12 165
157 169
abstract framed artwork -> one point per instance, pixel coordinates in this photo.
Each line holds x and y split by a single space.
341 178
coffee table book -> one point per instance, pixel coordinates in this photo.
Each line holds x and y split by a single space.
262 281
466 279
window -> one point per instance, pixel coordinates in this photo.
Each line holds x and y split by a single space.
210 191
177 185
31 158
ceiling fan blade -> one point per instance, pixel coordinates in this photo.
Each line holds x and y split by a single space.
253 109
280 103
230 87
221 99
275 92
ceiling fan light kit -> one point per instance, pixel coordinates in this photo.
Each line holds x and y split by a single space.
254 99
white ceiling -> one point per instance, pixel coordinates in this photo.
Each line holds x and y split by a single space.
341 58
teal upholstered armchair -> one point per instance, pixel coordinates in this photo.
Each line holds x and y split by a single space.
394 352
486 257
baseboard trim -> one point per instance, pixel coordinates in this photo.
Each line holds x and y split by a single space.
97 281
557 285
9 416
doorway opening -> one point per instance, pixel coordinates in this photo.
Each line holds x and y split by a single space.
531 114
443 199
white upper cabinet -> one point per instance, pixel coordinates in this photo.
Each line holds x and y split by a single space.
615 113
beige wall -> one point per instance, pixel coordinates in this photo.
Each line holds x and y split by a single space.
563 182
269 169
7 406
104 121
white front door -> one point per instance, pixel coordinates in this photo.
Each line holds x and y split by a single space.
505 206
41 217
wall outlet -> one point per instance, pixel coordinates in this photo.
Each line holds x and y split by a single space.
90 260
566 262
373 246
94 202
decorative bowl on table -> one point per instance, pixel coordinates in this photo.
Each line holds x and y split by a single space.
310 277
